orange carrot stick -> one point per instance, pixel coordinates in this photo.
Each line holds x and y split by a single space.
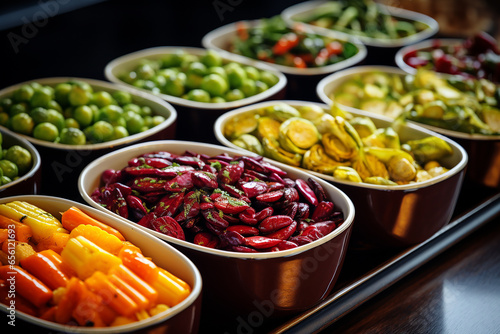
45 270
22 231
73 217
133 259
138 298
136 282
27 285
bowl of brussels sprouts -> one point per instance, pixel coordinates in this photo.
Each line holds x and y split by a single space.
20 171
202 84
71 121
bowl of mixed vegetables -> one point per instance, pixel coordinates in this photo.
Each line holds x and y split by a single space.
464 109
475 57
20 165
200 83
235 215
67 267
374 24
291 49
405 178
71 121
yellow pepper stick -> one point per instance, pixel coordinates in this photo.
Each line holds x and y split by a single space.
171 289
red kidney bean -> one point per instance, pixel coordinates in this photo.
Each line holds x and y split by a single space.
241 204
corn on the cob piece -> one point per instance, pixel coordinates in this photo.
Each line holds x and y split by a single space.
42 223
85 257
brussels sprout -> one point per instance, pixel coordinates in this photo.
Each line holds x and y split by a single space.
491 116
245 123
317 160
364 126
368 166
272 150
401 169
347 174
342 142
249 142
297 135
311 112
383 137
379 180
386 154
282 111
268 128
429 148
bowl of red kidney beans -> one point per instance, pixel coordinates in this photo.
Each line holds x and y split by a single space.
476 57
261 235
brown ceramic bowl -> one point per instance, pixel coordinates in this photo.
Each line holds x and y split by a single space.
380 51
483 168
242 283
390 216
301 81
63 163
194 119
30 182
181 318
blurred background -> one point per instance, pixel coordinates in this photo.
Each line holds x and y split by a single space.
46 38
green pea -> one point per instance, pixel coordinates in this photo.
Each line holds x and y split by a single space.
211 58
61 93
248 87
217 70
129 77
101 131
122 97
71 123
217 99
46 131
23 93
54 105
145 71
146 111
41 97
157 120
135 124
193 81
72 136
4 118
234 95
187 60
22 123
236 76
132 107
159 81
174 59
110 113
79 96
102 99
39 115
168 72
83 115
175 85
21 157
252 72
56 118
214 84
268 78
261 86
9 168
83 85
197 68
18 108
4 180
6 103
198 95
119 132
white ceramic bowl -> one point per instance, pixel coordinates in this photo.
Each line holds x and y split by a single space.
399 215
484 151
195 118
63 163
181 318
232 280
291 13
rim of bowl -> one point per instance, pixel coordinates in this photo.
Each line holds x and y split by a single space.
300 8
138 325
228 29
346 74
399 57
35 155
134 58
101 85
219 123
194 146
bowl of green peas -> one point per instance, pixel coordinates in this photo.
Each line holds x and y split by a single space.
71 121
20 166
201 83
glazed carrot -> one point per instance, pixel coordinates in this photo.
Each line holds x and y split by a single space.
4 234
73 217
90 310
101 238
43 268
22 304
143 267
56 258
111 295
49 314
138 298
27 285
69 300
22 232
136 282
56 242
